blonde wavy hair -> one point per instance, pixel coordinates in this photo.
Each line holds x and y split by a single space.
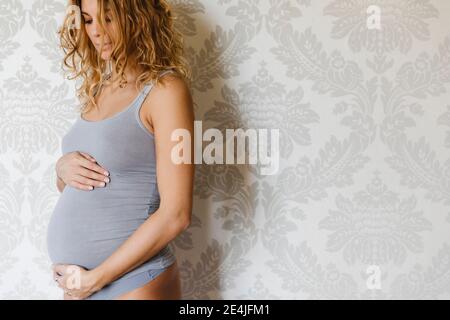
146 38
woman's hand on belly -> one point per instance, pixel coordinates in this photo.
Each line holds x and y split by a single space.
76 281
81 171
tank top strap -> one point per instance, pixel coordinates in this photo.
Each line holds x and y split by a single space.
140 100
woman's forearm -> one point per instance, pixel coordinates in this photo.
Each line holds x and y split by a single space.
151 237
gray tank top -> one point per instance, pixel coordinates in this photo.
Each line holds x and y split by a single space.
86 227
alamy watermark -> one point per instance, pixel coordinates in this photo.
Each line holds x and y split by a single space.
374 18
373 281
76 12
256 141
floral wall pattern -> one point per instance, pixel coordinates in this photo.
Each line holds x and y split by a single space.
364 120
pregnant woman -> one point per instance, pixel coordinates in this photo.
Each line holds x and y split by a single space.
123 199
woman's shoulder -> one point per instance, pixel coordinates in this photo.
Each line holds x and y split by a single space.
170 83
169 94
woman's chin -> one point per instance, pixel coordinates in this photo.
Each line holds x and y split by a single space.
106 55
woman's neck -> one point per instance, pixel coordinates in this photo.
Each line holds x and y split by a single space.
131 74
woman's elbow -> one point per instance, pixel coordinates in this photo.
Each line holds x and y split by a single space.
180 216
186 224
185 218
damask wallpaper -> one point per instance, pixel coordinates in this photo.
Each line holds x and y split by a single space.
359 90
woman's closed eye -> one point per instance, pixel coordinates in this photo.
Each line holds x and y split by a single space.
90 21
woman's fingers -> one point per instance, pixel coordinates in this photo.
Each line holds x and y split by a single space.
87 173
82 180
69 280
80 170
59 268
93 166
55 275
93 175
67 297
80 186
88 156
91 178
65 273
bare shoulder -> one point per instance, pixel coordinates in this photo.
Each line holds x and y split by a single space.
171 81
171 87
169 98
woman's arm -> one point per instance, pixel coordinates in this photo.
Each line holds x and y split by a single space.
169 108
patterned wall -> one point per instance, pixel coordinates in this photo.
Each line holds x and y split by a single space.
364 119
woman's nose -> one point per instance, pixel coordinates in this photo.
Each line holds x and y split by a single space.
96 29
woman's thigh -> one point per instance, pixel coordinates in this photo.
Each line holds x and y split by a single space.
166 286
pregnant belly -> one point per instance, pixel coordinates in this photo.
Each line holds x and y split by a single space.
86 227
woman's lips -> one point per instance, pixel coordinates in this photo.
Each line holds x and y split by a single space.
104 45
